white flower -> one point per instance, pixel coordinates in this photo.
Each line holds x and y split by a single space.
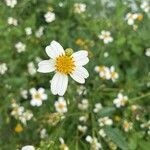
38 96
12 21
127 126
130 17
102 133
63 146
24 94
105 121
83 118
145 6
11 3
39 32
98 107
31 68
105 36
49 17
64 64
95 145
3 68
28 147
114 75
43 133
82 128
82 90
20 47
61 105
83 105
17 110
147 53
28 30
79 8
121 100
106 54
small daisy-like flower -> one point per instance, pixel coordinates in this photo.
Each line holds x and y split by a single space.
12 21
82 128
79 8
145 6
83 105
114 75
63 146
24 94
147 52
105 121
61 105
121 100
131 17
31 68
3 68
105 36
39 32
83 119
127 126
82 90
97 108
28 147
95 145
28 30
102 133
49 17
43 133
11 3
38 96
20 47
64 63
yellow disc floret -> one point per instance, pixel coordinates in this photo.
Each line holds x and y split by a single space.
65 64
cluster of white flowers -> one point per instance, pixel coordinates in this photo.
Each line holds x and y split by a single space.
3 68
20 47
105 36
83 105
147 52
28 147
145 6
12 21
43 133
19 113
107 73
49 17
38 96
61 105
28 30
95 145
105 121
31 68
11 3
121 100
39 32
63 146
127 126
79 8
97 108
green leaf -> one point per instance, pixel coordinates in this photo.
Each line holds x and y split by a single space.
107 111
117 137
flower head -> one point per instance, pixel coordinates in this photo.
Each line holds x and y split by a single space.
131 17
3 68
61 105
20 47
79 8
49 17
64 64
11 3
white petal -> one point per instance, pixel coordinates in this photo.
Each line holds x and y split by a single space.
46 66
82 61
82 71
33 91
59 84
76 75
54 49
80 54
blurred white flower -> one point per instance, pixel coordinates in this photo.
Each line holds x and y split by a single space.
24 94
97 108
105 36
31 68
121 100
95 145
12 21
20 47
114 75
3 68
49 17
28 30
11 3
38 96
83 118
43 133
61 105
28 147
17 110
83 105
127 126
106 54
105 121
63 146
145 6
81 90
102 133
64 63
131 17
147 52
82 128
79 8
39 32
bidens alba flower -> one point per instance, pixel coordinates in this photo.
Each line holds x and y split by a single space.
64 63
28 147
49 17
61 105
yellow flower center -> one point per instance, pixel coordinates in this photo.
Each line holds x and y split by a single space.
37 96
65 64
